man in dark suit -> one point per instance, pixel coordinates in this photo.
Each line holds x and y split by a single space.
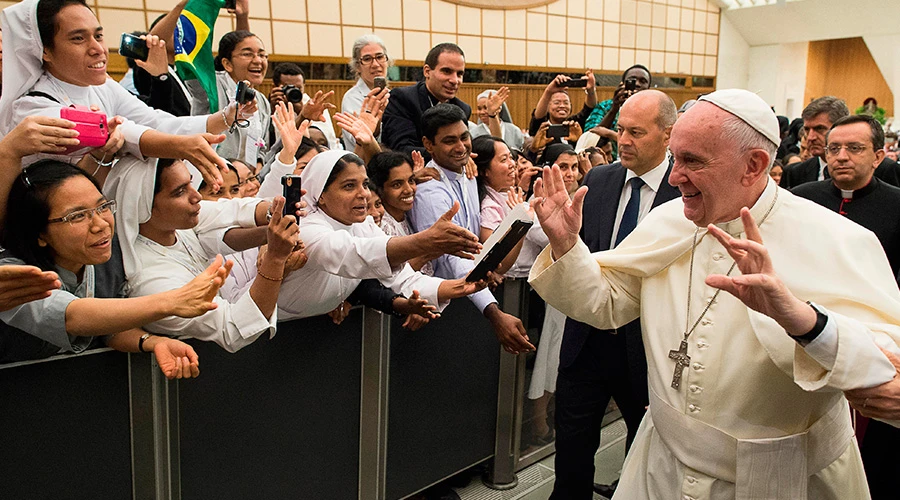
818 118
401 126
597 365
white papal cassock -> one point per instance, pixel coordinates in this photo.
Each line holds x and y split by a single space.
755 416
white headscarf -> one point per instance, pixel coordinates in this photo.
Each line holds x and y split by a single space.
24 61
131 184
315 175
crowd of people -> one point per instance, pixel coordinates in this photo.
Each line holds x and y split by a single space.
175 227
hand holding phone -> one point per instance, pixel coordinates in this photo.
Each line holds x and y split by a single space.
575 83
291 190
134 47
380 82
557 131
93 131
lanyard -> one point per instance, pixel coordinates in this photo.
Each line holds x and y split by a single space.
89 282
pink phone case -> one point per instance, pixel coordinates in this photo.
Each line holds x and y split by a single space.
91 126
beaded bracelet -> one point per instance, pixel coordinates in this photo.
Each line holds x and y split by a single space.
268 277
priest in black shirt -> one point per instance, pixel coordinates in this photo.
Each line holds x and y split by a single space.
855 147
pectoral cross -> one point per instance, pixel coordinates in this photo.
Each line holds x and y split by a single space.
682 360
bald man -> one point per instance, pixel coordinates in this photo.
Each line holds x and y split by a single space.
745 386
596 365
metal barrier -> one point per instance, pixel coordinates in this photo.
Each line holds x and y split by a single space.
362 410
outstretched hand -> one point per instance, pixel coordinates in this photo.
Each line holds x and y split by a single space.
445 237
21 284
197 297
560 216
758 286
176 359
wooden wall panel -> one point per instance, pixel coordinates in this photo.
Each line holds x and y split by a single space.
845 68
522 98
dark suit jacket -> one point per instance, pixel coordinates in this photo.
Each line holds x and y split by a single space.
401 126
165 95
600 205
800 173
808 171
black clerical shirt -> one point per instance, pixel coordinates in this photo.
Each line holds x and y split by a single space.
875 207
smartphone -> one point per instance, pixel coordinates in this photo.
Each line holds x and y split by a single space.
230 4
291 189
92 129
631 84
575 82
380 82
134 47
557 131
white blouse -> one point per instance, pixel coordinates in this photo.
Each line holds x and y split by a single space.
234 323
340 256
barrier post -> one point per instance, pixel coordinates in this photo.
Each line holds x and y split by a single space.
154 430
373 415
502 473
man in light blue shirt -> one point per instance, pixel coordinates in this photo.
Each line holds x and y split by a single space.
446 138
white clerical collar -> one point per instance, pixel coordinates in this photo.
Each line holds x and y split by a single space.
450 173
653 177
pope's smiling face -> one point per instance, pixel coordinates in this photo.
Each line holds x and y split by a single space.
716 180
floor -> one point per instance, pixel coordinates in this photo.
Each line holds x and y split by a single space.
536 481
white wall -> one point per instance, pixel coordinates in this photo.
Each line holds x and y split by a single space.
732 71
884 49
778 74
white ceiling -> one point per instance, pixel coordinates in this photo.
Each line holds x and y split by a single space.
787 21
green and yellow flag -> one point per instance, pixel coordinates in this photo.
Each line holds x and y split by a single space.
193 46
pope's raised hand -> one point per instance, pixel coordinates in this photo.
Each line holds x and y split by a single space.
758 286
560 216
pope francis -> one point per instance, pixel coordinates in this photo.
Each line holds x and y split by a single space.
746 386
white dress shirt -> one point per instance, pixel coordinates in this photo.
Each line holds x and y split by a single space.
652 179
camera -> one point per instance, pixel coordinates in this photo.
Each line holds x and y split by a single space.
292 93
631 84
245 92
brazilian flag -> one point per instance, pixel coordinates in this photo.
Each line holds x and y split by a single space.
193 46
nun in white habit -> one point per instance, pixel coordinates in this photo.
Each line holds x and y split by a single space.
152 266
345 246
40 80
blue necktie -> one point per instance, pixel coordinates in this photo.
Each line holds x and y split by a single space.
632 208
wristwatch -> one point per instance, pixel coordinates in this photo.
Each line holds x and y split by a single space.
821 321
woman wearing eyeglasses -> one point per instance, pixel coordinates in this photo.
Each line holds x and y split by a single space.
59 58
369 60
242 57
58 220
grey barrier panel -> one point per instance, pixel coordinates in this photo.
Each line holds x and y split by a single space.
65 428
279 419
442 398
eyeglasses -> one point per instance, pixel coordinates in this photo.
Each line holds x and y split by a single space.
367 59
250 55
79 216
853 149
257 178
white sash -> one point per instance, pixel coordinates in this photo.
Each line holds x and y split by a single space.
768 468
